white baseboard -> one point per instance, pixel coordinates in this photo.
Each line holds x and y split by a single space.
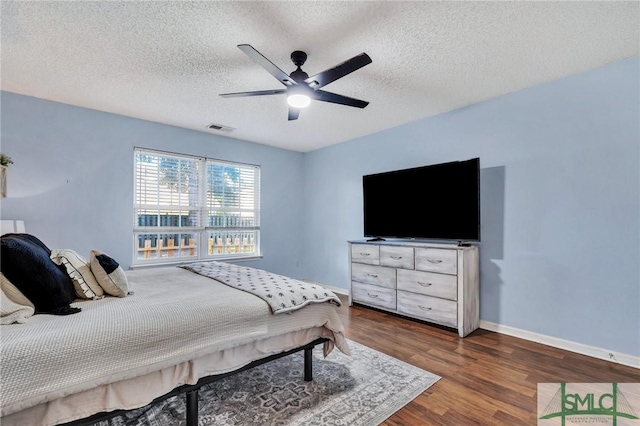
617 357
592 351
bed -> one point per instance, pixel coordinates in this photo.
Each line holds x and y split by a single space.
178 328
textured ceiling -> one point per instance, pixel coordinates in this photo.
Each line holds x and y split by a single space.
167 62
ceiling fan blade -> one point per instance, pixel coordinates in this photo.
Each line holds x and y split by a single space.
321 95
332 74
293 113
256 93
267 64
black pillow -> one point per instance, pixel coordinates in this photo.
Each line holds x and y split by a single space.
24 260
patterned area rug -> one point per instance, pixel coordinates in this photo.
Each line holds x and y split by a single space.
361 390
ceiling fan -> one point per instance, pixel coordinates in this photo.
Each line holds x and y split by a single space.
300 88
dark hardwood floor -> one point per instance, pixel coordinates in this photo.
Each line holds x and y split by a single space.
487 378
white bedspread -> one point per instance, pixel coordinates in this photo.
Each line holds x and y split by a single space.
173 316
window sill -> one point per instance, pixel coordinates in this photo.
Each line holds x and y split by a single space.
230 259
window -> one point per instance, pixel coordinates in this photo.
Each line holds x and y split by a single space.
192 208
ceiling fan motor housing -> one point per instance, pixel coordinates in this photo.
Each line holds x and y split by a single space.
299 76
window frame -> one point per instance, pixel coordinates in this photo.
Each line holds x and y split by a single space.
203 231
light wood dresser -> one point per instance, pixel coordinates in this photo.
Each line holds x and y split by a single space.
437 283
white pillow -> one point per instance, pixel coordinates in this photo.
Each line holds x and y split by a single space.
79 271
14 306
109 274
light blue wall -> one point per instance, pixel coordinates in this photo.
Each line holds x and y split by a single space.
72 178
560 199
560 194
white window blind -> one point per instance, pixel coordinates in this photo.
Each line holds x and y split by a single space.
194 208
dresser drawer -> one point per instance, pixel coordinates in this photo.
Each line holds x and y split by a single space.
428 283
437 260
365 253
373 295
376 275
396 257
428 308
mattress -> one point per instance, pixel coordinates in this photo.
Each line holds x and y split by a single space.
173 317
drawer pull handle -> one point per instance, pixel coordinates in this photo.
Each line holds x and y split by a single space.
423 308
373 296
434 260
373 275
396 257
424 284
365 254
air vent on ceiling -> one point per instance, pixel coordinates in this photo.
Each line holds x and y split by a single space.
220 127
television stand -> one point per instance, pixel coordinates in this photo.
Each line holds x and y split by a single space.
376 239
437 283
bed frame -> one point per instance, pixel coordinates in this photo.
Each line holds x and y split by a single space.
191 391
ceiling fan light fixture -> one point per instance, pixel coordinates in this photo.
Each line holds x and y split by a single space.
298 100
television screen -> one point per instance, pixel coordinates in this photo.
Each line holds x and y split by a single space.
436 202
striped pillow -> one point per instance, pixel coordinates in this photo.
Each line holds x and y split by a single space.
79 271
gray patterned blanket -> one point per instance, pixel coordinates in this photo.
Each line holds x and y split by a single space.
283 294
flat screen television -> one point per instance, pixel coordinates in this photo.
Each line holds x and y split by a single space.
435 202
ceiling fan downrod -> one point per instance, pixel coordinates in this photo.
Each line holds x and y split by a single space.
299 58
